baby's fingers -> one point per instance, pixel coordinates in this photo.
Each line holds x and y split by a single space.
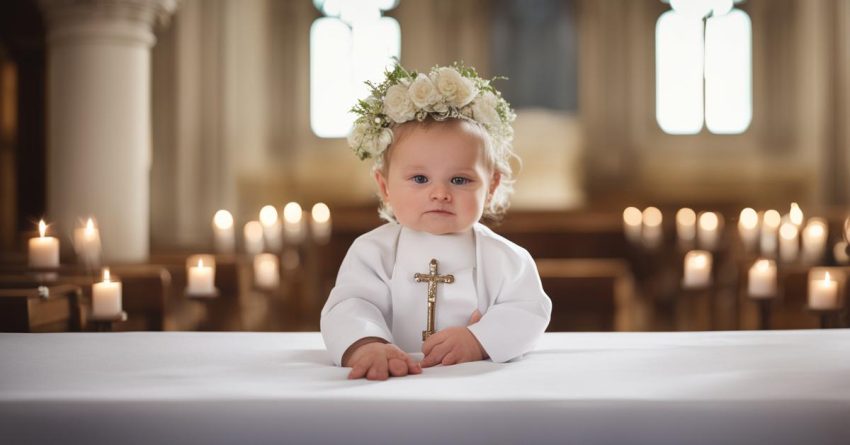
378 371
358 371
397 367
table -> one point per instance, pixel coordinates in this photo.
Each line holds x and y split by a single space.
773 387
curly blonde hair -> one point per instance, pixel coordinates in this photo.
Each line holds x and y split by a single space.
498 156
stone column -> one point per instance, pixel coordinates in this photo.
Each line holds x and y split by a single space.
99 123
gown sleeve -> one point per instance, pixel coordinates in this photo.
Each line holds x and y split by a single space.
519 310
360 304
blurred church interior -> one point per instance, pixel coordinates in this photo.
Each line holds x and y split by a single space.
684 164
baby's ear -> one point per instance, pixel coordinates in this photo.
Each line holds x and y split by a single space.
495 180
382 185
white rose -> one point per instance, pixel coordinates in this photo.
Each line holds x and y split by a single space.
397 104
484 110
422 92
456 89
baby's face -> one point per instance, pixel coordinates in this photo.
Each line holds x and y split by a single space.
438 178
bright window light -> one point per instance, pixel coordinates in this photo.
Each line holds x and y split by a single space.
678 73
345 52
728 73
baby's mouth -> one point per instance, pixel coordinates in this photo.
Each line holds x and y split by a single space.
440 212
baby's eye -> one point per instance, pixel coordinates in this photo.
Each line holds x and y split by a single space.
458 180
419 179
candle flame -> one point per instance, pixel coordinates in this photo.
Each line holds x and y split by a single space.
826 279
321 213
652 216
89 227
106 275
708 221
224 220
292 212
268 216
686 217
200 263
749 218
796 214
632 216
772 219
42 228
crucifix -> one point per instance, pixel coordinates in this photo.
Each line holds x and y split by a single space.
432 278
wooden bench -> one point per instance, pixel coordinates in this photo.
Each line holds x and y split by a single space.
51 309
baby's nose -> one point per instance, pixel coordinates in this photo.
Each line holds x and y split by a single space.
440 193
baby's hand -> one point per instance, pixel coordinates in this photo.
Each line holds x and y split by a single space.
453 345
379 361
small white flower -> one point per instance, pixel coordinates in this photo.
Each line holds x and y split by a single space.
457 90
422 92
397 104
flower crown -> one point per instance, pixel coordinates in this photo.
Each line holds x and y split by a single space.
446 92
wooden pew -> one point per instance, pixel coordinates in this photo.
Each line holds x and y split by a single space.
50 309
591 295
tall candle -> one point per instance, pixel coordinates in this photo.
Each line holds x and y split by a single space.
686 229
271 228
748 228
201 279
697 269
253 233
224 236
266 271
823 293
87 243
769 232
43 250
653 235
789 245
814 240
106 297
762 279
320 223
632 223
708 233
293 223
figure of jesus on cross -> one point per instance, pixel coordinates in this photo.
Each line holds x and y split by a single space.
432 278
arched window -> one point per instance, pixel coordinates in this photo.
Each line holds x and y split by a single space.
351 44
703 65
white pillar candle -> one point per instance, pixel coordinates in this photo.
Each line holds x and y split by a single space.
686 226
320 223
632 223
87 243
823 293
697 269
201 279
293 223
271 228
748 228
762 279
253 233
653 234
769 231
789 245
43 250
106 297
814 240
266 271
708 232
224 236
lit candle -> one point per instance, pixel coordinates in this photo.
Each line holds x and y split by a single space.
320 223
748 228
789 245
224 236
686 228
253 232
795 215
266 271
708 233
814 240
762 279
271 228
769 231
43 250
823 294
106 297
87 243
653 235
632 222
201 279
293 223
697 269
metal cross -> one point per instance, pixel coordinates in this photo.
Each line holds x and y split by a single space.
432 278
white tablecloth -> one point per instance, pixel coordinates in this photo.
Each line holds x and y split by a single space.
654 388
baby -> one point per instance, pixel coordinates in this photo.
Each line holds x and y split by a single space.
434 279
